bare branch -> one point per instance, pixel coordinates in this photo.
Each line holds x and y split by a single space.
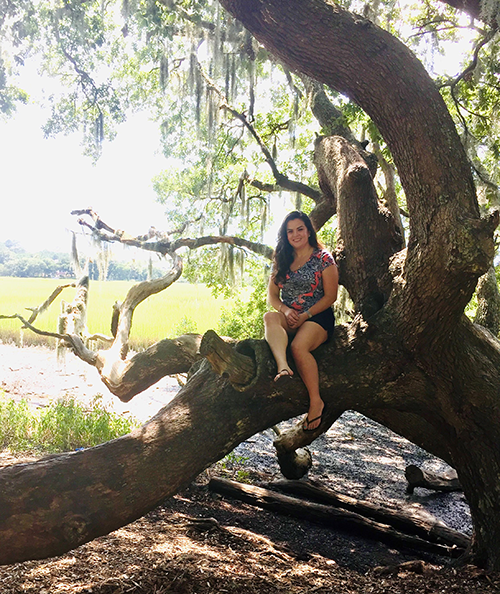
136 295
99 336
165 246
34 329
292 186
258 248
46 304
473 64
74 341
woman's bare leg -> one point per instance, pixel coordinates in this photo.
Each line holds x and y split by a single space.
309 336
277 337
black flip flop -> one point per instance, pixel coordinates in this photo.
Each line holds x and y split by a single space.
284 374
307 422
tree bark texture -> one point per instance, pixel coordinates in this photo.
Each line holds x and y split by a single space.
488 302
52 506
363 258
419 523
415 364
447 400
126 378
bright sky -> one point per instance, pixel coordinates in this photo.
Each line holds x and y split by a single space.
42 180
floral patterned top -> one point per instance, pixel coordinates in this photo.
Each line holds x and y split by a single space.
303 288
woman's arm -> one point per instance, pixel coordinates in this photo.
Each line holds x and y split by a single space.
273 298
273 295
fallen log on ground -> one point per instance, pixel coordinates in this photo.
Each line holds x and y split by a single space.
417 523
445 482
326 515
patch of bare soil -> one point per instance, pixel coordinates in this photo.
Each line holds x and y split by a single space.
35 375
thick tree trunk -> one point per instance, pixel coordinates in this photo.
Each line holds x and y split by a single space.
52 506
49 507
444 394
363 258
379 73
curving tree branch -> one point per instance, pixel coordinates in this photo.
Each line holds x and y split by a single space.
163 244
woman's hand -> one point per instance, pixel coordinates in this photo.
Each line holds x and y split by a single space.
294 319
291 316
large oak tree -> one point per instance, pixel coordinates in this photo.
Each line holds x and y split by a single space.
410 359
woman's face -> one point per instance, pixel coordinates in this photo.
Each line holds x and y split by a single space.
297 234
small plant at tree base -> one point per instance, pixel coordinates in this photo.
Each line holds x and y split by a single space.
232 465
185 326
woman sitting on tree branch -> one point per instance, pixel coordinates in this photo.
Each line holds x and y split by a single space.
302 288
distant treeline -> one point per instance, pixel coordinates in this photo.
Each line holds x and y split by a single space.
15 261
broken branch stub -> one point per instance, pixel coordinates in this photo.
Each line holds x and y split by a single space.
295 464
445 482
226 361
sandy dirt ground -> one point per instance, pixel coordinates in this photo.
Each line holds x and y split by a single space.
33 373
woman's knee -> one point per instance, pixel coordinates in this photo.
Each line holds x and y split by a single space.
268 316
298 348
271 318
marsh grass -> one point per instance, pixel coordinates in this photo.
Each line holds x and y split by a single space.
63 426
181 308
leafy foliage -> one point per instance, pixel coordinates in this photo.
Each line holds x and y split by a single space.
244 319
63 426
214 92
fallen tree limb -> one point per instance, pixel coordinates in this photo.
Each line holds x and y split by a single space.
326 515
420 524
445 482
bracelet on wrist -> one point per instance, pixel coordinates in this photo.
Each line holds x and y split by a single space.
281 305
309 314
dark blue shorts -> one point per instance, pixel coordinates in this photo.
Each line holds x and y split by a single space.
326 320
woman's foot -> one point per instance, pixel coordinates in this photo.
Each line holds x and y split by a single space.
285 374
314 417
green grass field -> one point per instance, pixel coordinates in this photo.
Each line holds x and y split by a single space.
180 308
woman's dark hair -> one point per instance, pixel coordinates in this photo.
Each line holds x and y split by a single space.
283 254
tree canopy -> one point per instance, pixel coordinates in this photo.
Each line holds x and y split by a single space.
237 124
